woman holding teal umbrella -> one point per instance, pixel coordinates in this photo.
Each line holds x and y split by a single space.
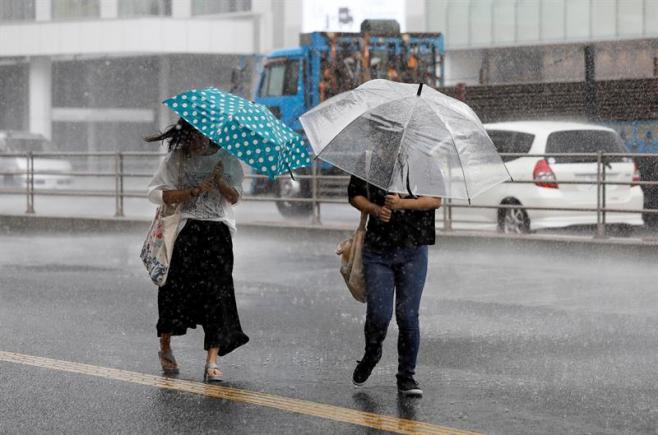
214 131
204 182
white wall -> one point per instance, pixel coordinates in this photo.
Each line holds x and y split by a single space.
129 36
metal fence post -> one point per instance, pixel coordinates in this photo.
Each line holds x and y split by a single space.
600 225
118 184
314 193
604 203
29 183
447 215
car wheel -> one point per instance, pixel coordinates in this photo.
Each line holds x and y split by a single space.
513 220
289 188
650 220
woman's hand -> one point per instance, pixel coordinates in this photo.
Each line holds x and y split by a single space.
218 172
393 202
382 213
206 185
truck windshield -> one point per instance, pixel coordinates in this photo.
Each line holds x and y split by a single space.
280 78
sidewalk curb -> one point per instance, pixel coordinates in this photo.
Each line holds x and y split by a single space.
42 223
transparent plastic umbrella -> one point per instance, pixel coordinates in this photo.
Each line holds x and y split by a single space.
406 138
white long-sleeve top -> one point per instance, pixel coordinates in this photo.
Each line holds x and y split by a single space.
209 206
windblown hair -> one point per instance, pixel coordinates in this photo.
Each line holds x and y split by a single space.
177 135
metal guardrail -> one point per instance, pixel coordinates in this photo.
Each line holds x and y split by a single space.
119 193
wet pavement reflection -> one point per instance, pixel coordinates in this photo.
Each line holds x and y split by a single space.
517 338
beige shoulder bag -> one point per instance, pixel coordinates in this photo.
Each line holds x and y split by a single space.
351 261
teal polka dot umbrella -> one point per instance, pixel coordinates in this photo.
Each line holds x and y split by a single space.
247 130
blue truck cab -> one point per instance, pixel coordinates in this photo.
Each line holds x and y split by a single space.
281 86
294 80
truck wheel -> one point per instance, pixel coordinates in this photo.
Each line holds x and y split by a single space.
288 188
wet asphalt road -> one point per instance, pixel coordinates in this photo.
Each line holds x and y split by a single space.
521 339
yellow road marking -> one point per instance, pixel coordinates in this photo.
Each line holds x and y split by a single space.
329 412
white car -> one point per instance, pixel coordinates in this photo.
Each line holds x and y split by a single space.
544 137
49 173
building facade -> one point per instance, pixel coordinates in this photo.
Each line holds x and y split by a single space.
90 74
519 41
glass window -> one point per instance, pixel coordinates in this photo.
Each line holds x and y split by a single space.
631 17
584 141
481 15
21 145
604 18
511 142
457 31
527 14
504 21
75 9
577 19
136 8
651 25
17 10
280 79
552 20
212 7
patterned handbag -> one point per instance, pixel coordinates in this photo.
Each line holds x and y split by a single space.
159 244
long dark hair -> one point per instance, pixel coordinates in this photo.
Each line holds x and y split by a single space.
178 135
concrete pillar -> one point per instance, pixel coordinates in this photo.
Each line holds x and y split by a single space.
164 90
181 8
43 10
40 101
109 8
263 25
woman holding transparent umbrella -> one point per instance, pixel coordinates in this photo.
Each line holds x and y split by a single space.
395 259
405 149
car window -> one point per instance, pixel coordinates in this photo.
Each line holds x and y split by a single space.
511 142
584 141
22 145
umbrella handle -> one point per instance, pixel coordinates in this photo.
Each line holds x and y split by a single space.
290 171
409 186
420 89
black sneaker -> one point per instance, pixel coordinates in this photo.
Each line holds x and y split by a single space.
364 368
409 387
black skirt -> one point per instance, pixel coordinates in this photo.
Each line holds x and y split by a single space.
199 288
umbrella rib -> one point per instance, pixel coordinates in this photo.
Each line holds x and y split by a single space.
454 145
479 127
404 134
356 119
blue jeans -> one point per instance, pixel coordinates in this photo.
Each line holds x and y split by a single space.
398 273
